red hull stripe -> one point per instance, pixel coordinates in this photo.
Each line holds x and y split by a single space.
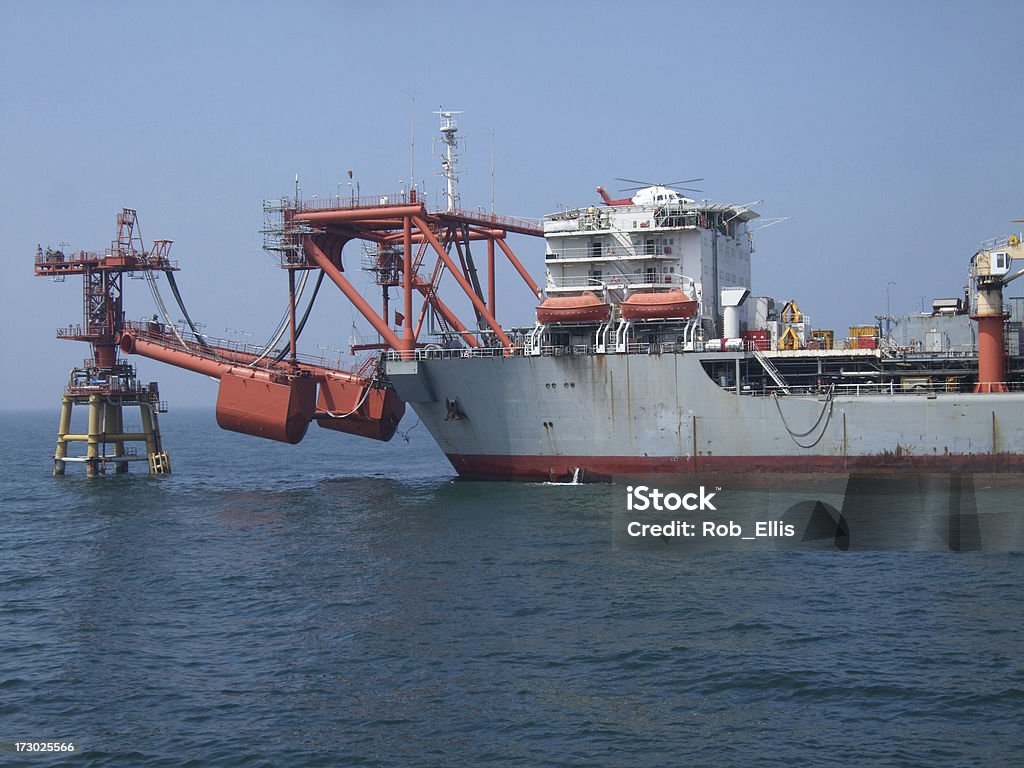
596 467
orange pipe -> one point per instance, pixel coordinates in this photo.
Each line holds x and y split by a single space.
408 340
381 326
365 214
230 356
481 307
427 289
519 267
231 361
416 238
490 276
432 298
132 345
292 331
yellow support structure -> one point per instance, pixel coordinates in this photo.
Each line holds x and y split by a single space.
791 313
826 337
789 340
66 403
106 427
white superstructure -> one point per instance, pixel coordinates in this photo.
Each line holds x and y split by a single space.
654 241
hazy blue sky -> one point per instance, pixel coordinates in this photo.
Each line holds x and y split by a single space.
890 131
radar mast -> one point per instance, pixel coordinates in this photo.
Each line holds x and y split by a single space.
450 158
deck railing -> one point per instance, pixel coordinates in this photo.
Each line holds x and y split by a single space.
615 281
215 348
853 389
613 251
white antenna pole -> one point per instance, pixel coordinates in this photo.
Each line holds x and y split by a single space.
492 171
448 162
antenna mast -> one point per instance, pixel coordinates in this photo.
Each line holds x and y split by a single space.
448 162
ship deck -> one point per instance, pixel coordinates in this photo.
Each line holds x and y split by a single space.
850 372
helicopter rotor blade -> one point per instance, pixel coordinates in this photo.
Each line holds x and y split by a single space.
677 185
636 181
669 186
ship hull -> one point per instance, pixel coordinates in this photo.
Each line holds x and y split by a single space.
610 468
609 416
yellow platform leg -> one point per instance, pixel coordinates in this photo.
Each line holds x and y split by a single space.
92 451
63 428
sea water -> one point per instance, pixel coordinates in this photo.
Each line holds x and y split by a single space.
345 602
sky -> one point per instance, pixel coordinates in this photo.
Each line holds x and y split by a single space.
889 132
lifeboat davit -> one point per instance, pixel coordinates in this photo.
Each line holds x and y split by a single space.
586 308
658 306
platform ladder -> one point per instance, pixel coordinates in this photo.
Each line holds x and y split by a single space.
770 369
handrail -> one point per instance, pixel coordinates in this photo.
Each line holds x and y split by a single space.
345 201
401 198
769 367
160 333
610 251
890 388
57 260
620 281
499 221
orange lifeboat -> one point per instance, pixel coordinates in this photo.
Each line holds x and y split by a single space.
586 308
658 306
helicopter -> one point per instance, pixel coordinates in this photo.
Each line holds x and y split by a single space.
650 192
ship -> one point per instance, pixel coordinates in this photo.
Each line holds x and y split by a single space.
706 378
650 352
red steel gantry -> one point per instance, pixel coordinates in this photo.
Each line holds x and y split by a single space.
402 233
276 397
277 393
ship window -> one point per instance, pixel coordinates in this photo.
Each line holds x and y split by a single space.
649 247
595 250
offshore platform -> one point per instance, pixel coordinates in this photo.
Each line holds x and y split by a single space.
105 383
